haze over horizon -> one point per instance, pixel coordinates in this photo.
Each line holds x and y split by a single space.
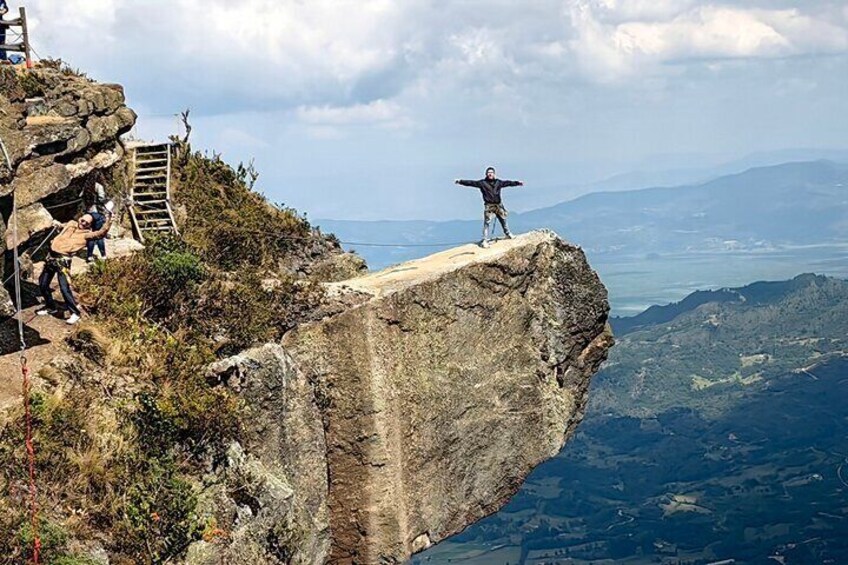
369 109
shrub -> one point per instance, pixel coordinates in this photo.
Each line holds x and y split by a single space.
89 340
162 315
174 265
157 519
231 225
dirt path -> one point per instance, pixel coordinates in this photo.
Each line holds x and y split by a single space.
45 337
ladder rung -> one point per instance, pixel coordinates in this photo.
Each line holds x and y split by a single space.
151 169
154 176
155 228
151 194
151 149
149 212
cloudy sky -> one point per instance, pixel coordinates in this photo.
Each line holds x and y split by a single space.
370 108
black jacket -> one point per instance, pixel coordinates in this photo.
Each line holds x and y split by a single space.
491 190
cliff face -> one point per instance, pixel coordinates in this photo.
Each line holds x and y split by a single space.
444 384
456 376
272 493
58 129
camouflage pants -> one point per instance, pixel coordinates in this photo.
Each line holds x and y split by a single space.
494 210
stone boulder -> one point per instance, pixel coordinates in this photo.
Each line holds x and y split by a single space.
272 495
445 383
57 128
31 220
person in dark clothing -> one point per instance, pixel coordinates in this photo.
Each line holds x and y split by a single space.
72 239
490 187
60 266
98 221
4 9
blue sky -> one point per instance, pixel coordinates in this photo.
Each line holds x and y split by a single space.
369 109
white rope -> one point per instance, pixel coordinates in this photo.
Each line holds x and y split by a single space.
17 274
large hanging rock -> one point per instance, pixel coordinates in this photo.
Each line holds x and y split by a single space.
441 383
453 377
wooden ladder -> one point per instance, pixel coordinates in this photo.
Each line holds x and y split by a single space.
150 191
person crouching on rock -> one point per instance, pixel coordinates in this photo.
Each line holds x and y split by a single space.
72 239
490 187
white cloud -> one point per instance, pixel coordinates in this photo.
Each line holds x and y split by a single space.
639 10
376 112
611 52
334 122
355 57
264 50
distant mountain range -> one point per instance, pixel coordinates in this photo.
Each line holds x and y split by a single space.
674 170
761 210
712 349
765 293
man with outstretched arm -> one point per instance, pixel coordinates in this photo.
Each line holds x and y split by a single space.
490 187
71 240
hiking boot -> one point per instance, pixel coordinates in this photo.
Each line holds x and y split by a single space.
46 311
73 319
508 235
484 244
89 259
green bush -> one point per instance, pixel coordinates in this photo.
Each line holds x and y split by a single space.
178 270
231 225
157 519
74 560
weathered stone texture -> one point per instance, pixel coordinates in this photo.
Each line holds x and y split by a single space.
57 128
460 374
272 495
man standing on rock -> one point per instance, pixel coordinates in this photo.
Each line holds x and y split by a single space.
71 240
490 187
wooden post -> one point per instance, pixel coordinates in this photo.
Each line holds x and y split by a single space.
133 218
168 192
25 33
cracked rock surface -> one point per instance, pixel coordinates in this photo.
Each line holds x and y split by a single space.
445 383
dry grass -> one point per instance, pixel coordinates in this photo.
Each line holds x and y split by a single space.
49 374
91 341
124 430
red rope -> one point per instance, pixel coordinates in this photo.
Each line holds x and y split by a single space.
30 447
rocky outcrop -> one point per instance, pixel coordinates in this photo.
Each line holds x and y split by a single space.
443 383
417 407
58 128
272 495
